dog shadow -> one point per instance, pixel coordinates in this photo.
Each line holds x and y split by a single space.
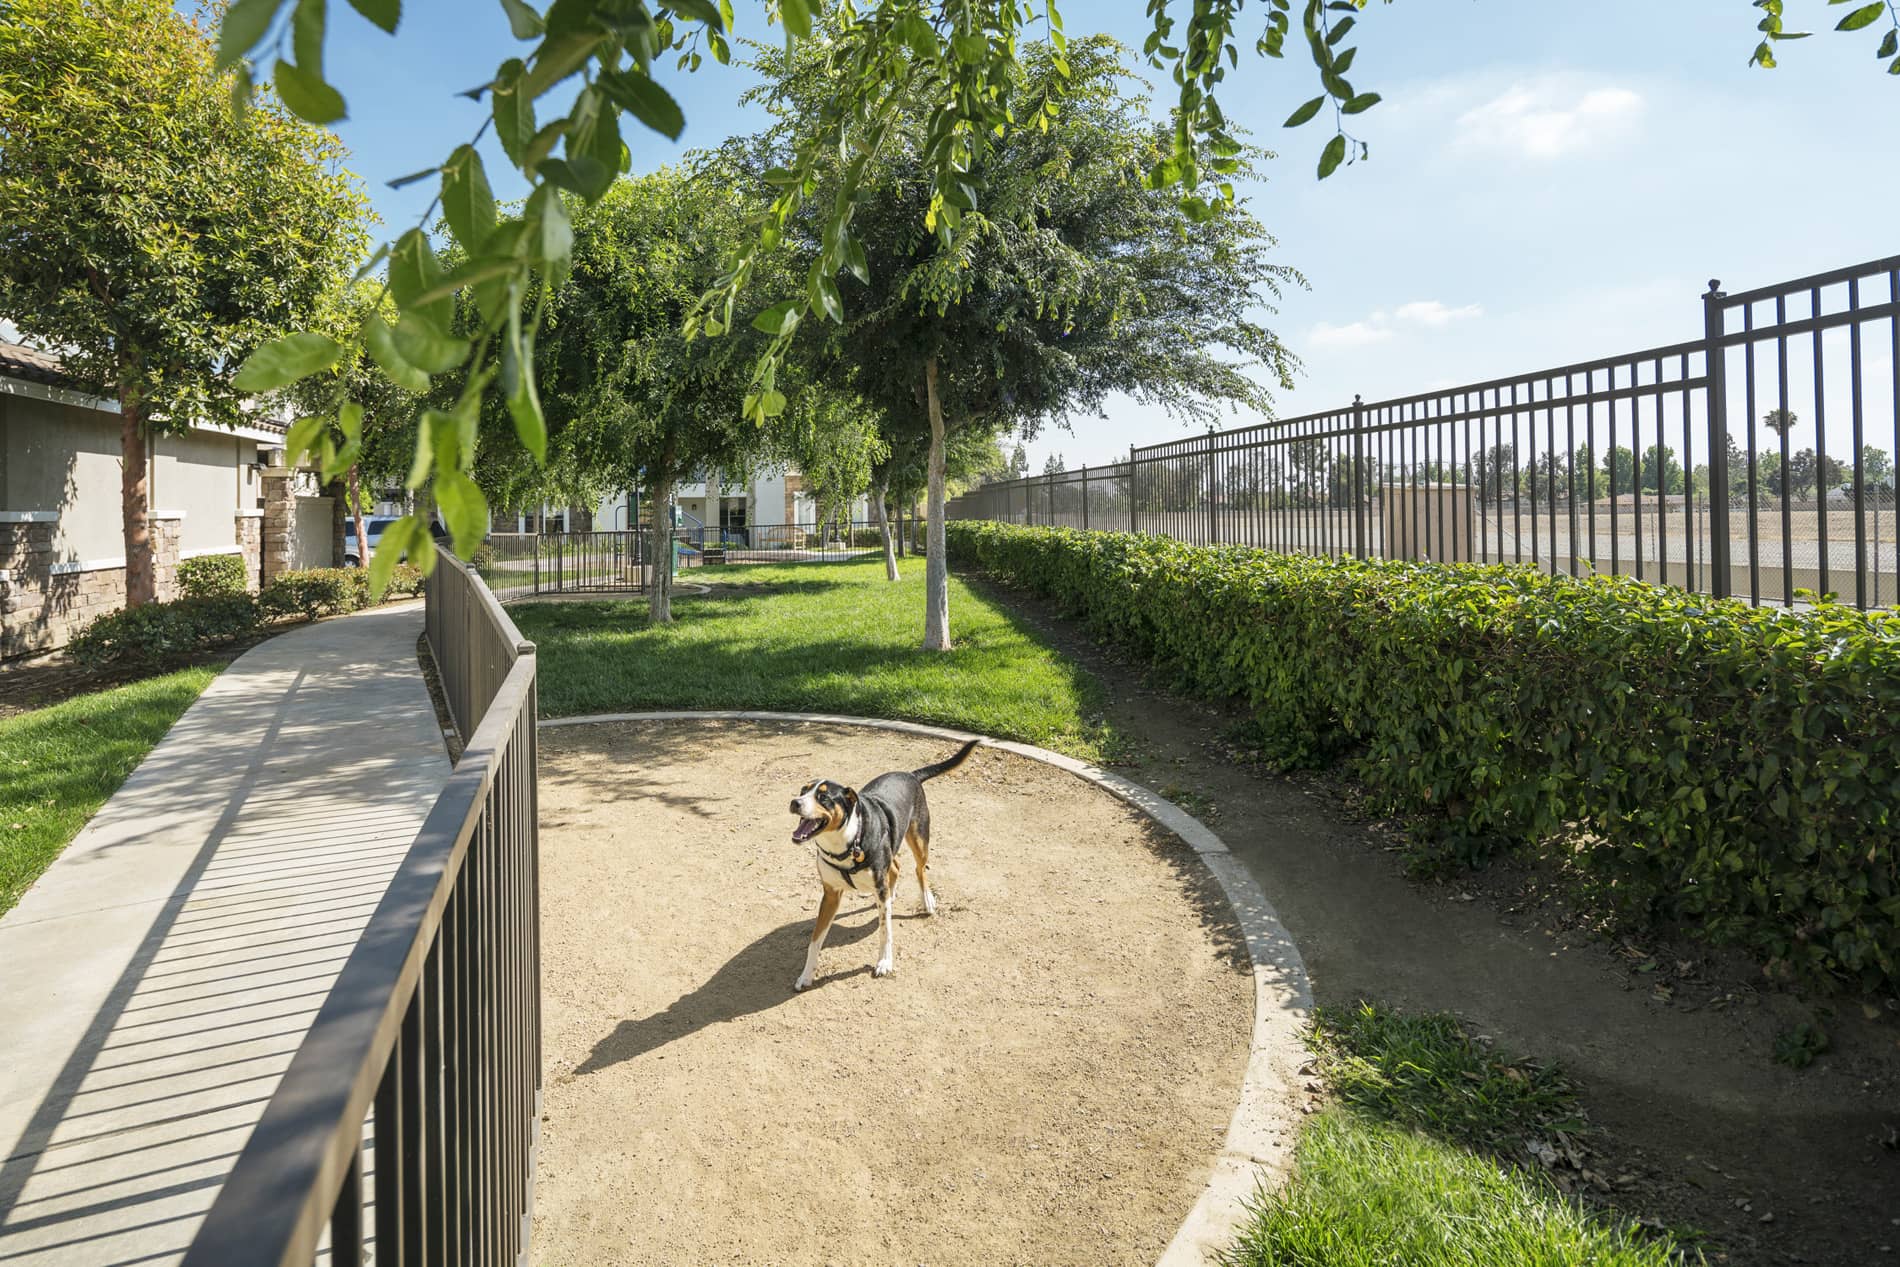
757 978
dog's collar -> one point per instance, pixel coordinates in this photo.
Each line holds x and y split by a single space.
854 856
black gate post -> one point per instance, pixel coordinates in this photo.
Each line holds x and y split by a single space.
1134 521
1051 481
1213 523
1085 497
1717 373
1359 507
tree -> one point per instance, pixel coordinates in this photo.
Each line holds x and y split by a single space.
1018 461
149 235
955 64
1078 281
1053 465
630 402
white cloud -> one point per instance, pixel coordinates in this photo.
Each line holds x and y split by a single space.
1549 117
1429 314
1356 334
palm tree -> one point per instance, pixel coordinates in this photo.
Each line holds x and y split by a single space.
1780 421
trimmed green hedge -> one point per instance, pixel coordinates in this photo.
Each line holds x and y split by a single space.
1734 767
210 575
156 633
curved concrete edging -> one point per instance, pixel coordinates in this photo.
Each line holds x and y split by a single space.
1262 1132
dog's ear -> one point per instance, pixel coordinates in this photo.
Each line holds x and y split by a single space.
850 800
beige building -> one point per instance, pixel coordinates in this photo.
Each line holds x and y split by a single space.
213 490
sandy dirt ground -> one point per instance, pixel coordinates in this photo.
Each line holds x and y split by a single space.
1044 1080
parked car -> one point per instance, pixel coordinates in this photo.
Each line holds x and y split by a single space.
376 525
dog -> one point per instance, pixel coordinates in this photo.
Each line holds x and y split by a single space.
856 834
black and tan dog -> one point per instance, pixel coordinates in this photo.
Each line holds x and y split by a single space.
856 834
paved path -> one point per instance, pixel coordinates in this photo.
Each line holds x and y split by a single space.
156 981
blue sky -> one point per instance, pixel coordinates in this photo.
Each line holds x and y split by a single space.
1547 183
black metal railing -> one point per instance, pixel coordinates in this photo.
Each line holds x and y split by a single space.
517 565
1704 464
404 1130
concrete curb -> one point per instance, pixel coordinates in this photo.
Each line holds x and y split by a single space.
1258 1150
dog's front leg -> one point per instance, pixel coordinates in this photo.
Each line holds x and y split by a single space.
827 908
884 966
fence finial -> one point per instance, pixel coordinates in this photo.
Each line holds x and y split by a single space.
1715 287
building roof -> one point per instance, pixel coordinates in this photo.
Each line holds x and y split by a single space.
35 367
32 366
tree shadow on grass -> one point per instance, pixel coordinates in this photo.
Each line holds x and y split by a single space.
759 977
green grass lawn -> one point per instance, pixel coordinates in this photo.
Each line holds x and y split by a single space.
825 637
1405 1167
59 764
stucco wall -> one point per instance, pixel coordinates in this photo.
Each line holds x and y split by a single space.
314 543
64 458
206 476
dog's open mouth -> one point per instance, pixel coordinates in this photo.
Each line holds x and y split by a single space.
807 828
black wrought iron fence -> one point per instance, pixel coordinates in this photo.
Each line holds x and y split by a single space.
404 1130
517 565
1756 461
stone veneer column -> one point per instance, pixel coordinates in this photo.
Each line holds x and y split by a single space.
280 521
26 554
249 534
794 485
167 531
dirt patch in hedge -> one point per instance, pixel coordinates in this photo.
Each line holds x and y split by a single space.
1046 1079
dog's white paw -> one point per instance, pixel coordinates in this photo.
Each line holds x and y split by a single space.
930 903
802 984
883 968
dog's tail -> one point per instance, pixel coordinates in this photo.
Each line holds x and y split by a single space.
945 767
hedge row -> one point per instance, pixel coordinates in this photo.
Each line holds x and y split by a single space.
212 612
1733 767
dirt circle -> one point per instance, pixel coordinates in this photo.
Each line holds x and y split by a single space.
1046 1079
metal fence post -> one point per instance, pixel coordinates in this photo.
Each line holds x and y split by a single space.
1213 522
1717 373
1134 522
1359 499
1085 497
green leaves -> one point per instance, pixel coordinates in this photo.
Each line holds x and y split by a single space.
379 341
522 19
780 319
513 110
645 100
245 23
384 13
463 511
1305 113
306 95
283 362
1866 15
1331 157
420 344
467 202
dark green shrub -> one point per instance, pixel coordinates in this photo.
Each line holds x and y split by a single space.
211 574
1734 767
405 581
159 632
315 592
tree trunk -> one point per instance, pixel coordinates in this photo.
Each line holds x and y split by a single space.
362 518
135 511
660 551
884 530
936 566
339 509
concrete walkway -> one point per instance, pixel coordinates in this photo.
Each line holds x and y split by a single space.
156 981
